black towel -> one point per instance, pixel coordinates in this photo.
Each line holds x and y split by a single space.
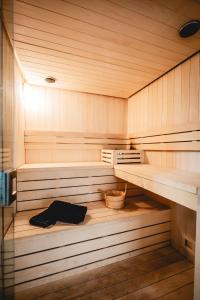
59 211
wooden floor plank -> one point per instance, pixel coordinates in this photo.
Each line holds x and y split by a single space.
163 287
138 280
117 280
183 293
82 278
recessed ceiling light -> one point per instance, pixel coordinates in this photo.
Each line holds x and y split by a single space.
50 79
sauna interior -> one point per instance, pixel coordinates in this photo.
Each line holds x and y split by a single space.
98 96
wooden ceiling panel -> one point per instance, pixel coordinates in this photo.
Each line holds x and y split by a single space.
112 47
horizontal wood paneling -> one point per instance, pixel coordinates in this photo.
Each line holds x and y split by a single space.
106 47
169 183
87 246
154 270
88 258
47 146
189 140
75 185
106 236
44 146
89 267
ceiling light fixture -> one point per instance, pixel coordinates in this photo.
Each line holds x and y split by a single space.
50 79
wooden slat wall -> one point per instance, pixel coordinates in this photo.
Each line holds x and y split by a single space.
164 120
63 126
7 108
7 98
61 110
106 236
49 146
79 186
19 120
13 80
169 105
107 47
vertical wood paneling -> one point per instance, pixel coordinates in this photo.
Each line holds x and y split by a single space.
185 90
194 97
172 101
62 110
177 94
174 98
189 161
7 99
19 153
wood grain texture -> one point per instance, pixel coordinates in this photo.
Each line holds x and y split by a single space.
169 183
7 126
8 100
105 47
197 257
170 104
39 186
105 235
120 279
19 119
50 109
164 120
63 126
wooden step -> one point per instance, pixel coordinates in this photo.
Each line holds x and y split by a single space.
106 236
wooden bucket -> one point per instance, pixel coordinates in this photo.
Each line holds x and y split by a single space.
115 199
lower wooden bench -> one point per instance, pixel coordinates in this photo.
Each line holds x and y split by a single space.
106 236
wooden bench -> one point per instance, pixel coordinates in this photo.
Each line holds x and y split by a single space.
107 236
182 187
40 184
45 255
176 185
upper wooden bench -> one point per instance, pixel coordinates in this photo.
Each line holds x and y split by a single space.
78 182
179 186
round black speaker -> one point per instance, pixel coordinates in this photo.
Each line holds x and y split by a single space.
189 28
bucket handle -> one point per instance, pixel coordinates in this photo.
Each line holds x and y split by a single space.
125 189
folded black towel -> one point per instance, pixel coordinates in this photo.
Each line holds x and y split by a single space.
59 211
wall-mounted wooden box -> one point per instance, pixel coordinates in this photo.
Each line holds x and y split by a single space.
122 156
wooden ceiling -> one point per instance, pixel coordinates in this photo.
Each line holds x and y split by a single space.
110 47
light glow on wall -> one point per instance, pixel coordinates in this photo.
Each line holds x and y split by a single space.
32 101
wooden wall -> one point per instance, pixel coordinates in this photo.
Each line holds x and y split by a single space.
64 126
7 116
164 120
6 154
12 153
19 121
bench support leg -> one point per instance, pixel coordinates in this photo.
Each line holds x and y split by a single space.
197 253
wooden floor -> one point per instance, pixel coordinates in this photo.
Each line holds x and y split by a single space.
160 274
